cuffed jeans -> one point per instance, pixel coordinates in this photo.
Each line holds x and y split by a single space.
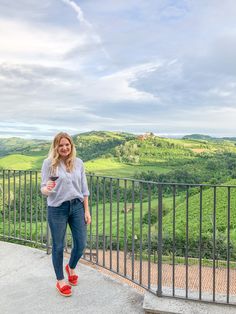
71 212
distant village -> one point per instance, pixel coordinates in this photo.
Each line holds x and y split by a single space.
145 136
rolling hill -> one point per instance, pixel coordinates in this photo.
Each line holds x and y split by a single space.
195 158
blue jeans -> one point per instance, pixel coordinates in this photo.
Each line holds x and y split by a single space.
71 212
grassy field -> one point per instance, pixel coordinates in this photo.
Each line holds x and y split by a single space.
21 162
114 168
100 166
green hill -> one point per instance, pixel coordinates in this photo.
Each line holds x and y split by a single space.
199 137
207 137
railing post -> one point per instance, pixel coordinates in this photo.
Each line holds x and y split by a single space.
48 239
159 245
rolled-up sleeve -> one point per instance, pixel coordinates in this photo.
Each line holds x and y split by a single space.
44 173
84 184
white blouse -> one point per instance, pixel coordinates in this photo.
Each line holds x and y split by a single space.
69 185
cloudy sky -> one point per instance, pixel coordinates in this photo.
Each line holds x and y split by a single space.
166 66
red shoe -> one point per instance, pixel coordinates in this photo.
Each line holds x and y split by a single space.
73 279
65 290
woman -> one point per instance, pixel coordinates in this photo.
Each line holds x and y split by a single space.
64 183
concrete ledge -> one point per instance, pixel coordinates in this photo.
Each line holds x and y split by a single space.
166 305
27 284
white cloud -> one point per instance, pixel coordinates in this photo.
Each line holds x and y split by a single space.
117 86
26 43
79 12
167 66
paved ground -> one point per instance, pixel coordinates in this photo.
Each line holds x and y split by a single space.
28 286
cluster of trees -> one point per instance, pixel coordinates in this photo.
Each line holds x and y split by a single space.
180 245
146 151
210 169
128 152
99 144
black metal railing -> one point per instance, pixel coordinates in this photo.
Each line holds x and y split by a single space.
176 240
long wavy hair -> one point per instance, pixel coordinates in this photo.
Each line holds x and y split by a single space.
54 155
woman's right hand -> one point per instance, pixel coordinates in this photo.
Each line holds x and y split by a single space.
50 185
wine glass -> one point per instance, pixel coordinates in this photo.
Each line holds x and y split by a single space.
53 176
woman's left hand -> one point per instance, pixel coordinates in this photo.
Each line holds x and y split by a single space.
87 217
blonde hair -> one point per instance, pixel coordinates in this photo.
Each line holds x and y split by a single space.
55 157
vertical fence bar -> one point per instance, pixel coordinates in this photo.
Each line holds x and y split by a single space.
228 245
47 236
149 237
31 196
118 227
125 226
14 201
9 203
46 228
41 222
36 206
214 245
133 236
174 244
25 204
111 223
159 245
200 247
91 213
19 201
48 231
3 202
97 202
104 222
186 249
141 236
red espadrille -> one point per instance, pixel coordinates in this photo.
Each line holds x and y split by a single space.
73 279
65 290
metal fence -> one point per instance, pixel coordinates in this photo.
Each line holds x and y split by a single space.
176 240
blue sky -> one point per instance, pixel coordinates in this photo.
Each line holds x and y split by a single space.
130 65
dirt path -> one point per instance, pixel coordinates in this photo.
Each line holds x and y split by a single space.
149 279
